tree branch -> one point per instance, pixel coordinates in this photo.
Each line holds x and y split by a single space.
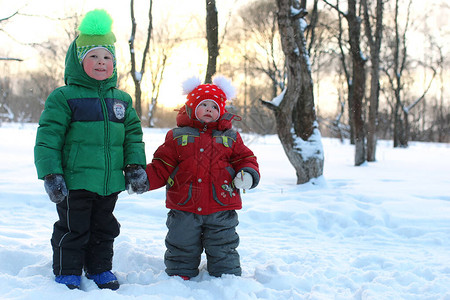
149 35
11 58
336 8
268 104
9 17
411 106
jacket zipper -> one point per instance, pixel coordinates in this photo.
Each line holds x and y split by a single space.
106 140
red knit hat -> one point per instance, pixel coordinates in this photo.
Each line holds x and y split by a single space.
219 91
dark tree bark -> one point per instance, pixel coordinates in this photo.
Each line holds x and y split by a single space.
212 36
375 48
295 115
395 74
345 69
137 76
358 78
358 82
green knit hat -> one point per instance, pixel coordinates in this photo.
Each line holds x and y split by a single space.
95 32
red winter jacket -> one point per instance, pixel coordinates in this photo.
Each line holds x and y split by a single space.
198 163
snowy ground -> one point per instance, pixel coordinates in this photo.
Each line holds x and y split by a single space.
379 231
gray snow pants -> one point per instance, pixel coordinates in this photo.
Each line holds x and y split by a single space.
190 233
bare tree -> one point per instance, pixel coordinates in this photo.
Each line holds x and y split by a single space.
255 40
395 73
443 120
348 76
6 113
161 47
137 76
344 67
294 109
33 86
396 76
374 41
212 36
259 20
357 84
4 20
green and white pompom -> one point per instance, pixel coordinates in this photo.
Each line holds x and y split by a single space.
95 31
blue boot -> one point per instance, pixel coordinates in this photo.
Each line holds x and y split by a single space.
71 281
105 280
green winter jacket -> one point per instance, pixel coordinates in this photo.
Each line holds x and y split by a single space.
88 131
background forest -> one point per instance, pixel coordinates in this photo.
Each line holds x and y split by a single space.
167 43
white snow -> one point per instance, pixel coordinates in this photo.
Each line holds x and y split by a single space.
138 75
379 231
312 147
277 100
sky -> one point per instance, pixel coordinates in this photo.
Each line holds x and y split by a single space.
378 231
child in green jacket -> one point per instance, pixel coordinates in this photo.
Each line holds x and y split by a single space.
89 135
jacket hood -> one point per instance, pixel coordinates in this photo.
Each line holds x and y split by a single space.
75 74
222 124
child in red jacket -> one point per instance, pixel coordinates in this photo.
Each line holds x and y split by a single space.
203 163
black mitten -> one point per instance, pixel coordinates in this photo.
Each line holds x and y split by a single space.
136 180
55 186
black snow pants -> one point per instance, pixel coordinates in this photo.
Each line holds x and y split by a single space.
84 235
190 233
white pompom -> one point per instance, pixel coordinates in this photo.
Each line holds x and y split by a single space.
190 84
225 85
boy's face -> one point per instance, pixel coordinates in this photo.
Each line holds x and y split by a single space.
207 111
99 64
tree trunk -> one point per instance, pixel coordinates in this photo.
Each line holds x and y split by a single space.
397 125
351 115
137 76
297 127
375 48
405 137
212 36
358 82
399 56
347 74
373 120
137 96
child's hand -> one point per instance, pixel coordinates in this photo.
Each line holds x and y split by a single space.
243 180
55 186
136 180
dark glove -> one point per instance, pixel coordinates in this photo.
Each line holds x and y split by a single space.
55 186
136 180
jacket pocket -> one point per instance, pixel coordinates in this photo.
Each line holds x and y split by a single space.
179 187
223 190
227 188
72 157
189 196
